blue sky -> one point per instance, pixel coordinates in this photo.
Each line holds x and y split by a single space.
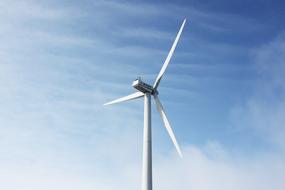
223 91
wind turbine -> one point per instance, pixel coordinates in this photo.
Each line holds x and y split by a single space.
147 91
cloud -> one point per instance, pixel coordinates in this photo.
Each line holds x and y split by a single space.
47 178
60 63
207 168
214 168
264 111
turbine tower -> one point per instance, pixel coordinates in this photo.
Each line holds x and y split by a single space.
147 91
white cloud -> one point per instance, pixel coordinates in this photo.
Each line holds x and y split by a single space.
207 169
204 168
54 132
264 112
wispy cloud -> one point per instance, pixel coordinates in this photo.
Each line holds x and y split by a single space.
264 110
61 61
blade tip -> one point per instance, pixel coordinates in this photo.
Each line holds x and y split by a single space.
180 153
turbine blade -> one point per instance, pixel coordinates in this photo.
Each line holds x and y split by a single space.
167 60
167 124
126 98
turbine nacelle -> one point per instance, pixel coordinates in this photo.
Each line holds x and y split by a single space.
143 87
